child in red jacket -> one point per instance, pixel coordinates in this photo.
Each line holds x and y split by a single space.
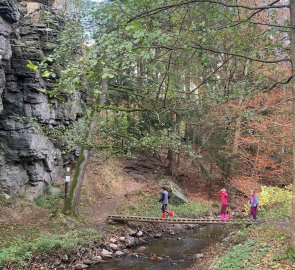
223 195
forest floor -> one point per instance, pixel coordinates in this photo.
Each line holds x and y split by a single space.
110 184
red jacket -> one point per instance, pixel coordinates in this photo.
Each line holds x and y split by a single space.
223 196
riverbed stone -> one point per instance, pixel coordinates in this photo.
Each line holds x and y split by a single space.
119 253
96 259
121 246
158 235
130 241
141 249
122 238
141 241
126 251
65 258
81 266
199 256
113 240
139 234
131 232
106 254
113 246
88 262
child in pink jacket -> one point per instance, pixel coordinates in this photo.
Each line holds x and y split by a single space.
223 195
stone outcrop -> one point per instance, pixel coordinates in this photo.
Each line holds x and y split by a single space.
29 161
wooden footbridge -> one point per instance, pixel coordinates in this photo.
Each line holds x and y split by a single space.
179 220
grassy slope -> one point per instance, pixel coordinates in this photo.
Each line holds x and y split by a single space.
265 247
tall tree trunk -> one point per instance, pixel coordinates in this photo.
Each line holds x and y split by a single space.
171 156
292 52
72 201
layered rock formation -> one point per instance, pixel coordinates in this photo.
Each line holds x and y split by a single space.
29 161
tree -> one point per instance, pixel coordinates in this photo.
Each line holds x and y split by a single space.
173 64
292 53
238 15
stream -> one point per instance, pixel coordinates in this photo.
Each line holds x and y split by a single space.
170 251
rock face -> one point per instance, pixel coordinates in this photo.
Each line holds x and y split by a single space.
29 161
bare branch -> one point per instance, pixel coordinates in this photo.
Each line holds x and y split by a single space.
272 25
184 3
284 81
164 77
201 47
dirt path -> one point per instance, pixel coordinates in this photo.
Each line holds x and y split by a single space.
97 213
108 182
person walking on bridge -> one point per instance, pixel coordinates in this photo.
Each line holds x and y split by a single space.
223 195
164 200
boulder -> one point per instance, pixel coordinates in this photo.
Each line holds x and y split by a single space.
176 194
113 246
141 249
139 234
119 253
106 254
96 259
81 266
121 246
10 10
199 256
113 240
131 232
29 160
130 241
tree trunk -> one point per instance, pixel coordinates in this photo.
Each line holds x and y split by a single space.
172 162
72 201
292 52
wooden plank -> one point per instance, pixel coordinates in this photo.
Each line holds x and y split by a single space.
178 220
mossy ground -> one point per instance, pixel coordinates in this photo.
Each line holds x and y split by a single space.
146 204
265 247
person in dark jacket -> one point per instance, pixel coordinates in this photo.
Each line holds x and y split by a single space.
165 200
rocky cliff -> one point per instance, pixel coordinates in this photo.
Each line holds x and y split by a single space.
29 161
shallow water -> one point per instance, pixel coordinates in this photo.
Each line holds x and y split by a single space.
169 252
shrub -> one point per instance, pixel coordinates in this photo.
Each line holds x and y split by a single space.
22 250
147 205
274 203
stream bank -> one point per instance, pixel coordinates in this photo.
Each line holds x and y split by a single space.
137 247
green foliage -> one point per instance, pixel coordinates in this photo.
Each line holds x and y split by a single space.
151 63
238 257
23 250
265 248
32 66
4 201
147 205
274 203
191 210
49 201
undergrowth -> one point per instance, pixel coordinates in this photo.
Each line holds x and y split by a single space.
147 205
22 250
266 247
274 203
49 200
